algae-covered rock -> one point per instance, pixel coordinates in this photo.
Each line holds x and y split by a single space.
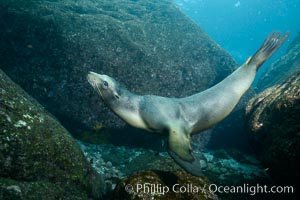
38 157
48 47
163 185
273 122
273 116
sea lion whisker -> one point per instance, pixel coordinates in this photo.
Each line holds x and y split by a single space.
97 89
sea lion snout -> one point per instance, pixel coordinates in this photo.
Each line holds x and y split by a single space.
95 79
104 85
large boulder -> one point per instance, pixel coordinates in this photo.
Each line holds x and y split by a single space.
49 46
38 157
273 122
273 116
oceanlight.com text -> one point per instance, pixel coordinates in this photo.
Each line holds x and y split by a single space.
149 188
251 189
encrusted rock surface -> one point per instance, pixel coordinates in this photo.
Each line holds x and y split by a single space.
38 157
273 122
273 117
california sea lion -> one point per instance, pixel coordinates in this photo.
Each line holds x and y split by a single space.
181 117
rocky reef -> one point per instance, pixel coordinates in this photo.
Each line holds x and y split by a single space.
48 47
273 118
38 157
220 167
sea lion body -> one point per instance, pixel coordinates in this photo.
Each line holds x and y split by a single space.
181 117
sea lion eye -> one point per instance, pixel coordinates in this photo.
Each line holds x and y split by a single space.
104 85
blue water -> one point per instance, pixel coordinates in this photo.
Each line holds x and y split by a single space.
240 26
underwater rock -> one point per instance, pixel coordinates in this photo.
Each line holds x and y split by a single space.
273 123
38 157
284 67
48 47
124 161
162 185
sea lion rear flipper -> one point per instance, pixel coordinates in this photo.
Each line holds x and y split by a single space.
180 150
268 48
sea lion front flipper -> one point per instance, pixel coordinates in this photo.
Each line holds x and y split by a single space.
179 143
194 168
181 151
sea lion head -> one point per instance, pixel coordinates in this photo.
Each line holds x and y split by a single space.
106 87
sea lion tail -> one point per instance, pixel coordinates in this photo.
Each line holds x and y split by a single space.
270 45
